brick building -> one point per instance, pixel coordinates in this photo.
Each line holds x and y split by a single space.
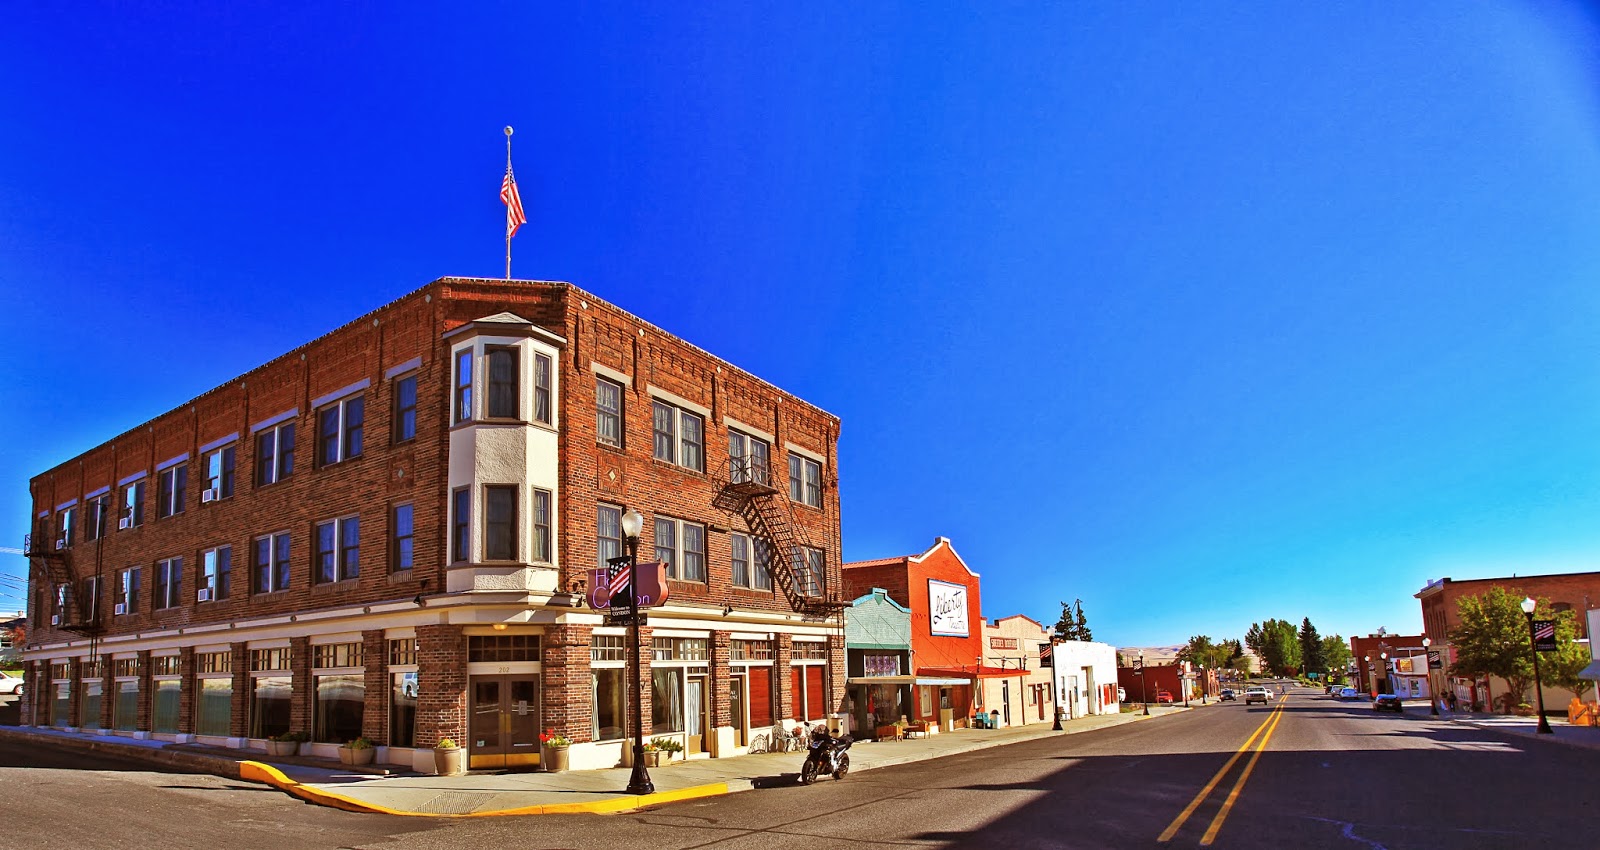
1388 664
393 532
1576 592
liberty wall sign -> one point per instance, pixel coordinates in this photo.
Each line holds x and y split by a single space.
947 608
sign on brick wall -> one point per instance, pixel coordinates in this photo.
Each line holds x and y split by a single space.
650 586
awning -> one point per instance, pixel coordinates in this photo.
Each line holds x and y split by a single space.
1592 672
966 673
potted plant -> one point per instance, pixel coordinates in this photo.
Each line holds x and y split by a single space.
555 746
286 743
357 752
652 755
447 758
664 748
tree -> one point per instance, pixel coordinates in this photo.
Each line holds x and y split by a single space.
1335 656
1560 669
1073 626
1311 660
1083 624
1492 640
1277 643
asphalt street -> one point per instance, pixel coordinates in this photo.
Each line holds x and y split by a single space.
1302 772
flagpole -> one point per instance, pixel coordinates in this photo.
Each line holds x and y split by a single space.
508 208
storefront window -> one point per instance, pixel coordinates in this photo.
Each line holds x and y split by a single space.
164 706
610 701
125 712
90 718
666 697
214 708
341 702
269 705
62 705
403 710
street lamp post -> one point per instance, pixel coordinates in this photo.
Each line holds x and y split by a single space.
1204 684
1384 656
639 782
1055 679
1527 611
1142 695
1433 698
1372 679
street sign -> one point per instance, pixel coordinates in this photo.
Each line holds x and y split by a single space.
650 585
1435 660
625 618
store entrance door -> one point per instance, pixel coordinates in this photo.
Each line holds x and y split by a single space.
741 717
504 722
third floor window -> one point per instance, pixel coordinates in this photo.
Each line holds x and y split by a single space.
679 436
405 408
219 474
274 454
171 486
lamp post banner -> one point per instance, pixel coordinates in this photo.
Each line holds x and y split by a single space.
649 582
1544 635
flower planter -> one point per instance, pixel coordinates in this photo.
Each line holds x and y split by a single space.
283 748
653 759
353 756
555 759
449 761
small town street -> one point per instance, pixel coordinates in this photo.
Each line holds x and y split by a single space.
1330 775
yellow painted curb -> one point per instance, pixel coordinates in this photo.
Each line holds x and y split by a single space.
254 771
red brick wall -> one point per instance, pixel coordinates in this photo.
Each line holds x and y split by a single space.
442 678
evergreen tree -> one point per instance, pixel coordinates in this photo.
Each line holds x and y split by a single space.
1083 624
1311 660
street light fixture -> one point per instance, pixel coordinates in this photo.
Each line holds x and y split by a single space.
1527 611
1372 680
1143 697
632 524
1055 684
1433 698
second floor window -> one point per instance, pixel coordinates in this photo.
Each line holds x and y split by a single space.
219 474
339 429
750 562
66 522
270 563
171 486
274 454
89 599
464 386
679 436
400 551
541 388
338 555
805 480
608 533
133 504
499 523
503 378
809 570
608 412
216 568
461 525
682 546
405 408
748 458
127 600
169 583
541 526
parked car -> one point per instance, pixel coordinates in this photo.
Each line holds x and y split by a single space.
1388 702
1122 694
1257 694
1227 694
10 684
1347 694
1163 696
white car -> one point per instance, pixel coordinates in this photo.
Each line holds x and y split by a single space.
1261 695
10 684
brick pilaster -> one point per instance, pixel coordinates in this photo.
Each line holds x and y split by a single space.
442 675
721 647
836 673
375 707
142 715
187 688
239 725
108 691
75 692
784 652
302 700
566 695
644 698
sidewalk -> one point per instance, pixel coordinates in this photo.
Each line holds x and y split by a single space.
593 791
1528 727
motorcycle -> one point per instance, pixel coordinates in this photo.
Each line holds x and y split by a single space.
826 755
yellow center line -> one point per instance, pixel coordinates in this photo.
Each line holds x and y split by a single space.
1227 805
1177 822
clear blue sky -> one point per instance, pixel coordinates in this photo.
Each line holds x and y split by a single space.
1201 315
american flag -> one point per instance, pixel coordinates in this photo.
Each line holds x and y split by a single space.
515 217
621 577
1544 630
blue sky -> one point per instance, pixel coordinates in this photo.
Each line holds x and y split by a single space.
1202 315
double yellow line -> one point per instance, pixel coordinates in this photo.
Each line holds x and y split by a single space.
1264 732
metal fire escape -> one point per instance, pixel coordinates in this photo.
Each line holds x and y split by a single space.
749 493
51 568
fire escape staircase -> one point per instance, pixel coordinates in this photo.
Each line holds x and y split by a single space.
53 571
749 493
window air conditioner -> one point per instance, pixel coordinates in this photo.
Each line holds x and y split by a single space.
204 595
125 523
122 608
210 495
55 619
61 543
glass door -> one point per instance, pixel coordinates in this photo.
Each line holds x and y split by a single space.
694 715
741 721
504 722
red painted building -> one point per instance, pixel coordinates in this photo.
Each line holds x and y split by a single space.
946 626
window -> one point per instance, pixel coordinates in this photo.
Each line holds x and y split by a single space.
133 504
748 458
805 480
271 563
338 555
679 436
750 562
541 526
128 590
608 412
65 522
464 386
405 408
541 388
330 655
270 705
89 600
400 547
461 526
339 428
169 581
608 529
216 566
171 486
213 662
809 570
274 454
219 473
682 546
403 690
99 508
503 377
402 652
502 648
607 654
499 523
213 710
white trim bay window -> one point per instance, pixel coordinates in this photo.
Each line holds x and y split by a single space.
607 662
216 566
750 560
680 436
543 547
500 522
338 553
805 480
681 545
